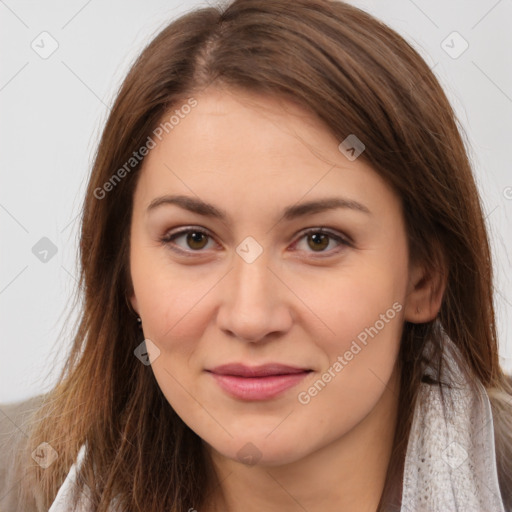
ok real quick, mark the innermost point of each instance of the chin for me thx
(261, 451)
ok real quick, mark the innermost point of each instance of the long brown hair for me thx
(359, 77)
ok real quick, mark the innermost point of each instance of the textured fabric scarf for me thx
(450, 463)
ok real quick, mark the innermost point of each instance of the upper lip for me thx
(241, 370)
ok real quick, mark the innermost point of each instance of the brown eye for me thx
(195, 240)
(318, 241)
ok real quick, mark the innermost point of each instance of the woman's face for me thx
(251, 287)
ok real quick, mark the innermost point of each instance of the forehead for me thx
(239, 125)
(242, 147)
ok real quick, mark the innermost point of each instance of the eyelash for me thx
(170, 237)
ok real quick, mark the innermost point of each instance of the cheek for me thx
(170, 297)
(364, 315)
(362, 353)
(350, 396)
(361, 362)
(345, 304)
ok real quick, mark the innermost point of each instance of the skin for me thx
(295, 304)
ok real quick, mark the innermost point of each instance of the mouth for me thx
(257, 382)
(265, 370)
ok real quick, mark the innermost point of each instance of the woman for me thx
(287, 284)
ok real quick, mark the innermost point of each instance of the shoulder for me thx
(15, 423)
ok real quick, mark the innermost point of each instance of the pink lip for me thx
(258, 382)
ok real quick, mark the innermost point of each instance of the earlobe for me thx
(425, 293)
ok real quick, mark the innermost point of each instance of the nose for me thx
(255, 304)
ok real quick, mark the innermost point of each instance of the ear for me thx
(425, 292)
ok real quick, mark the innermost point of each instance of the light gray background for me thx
(53, 109)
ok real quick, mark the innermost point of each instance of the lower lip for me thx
(258, 388)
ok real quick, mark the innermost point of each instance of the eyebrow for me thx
(200, 207)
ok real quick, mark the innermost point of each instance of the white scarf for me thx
(450, 463)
